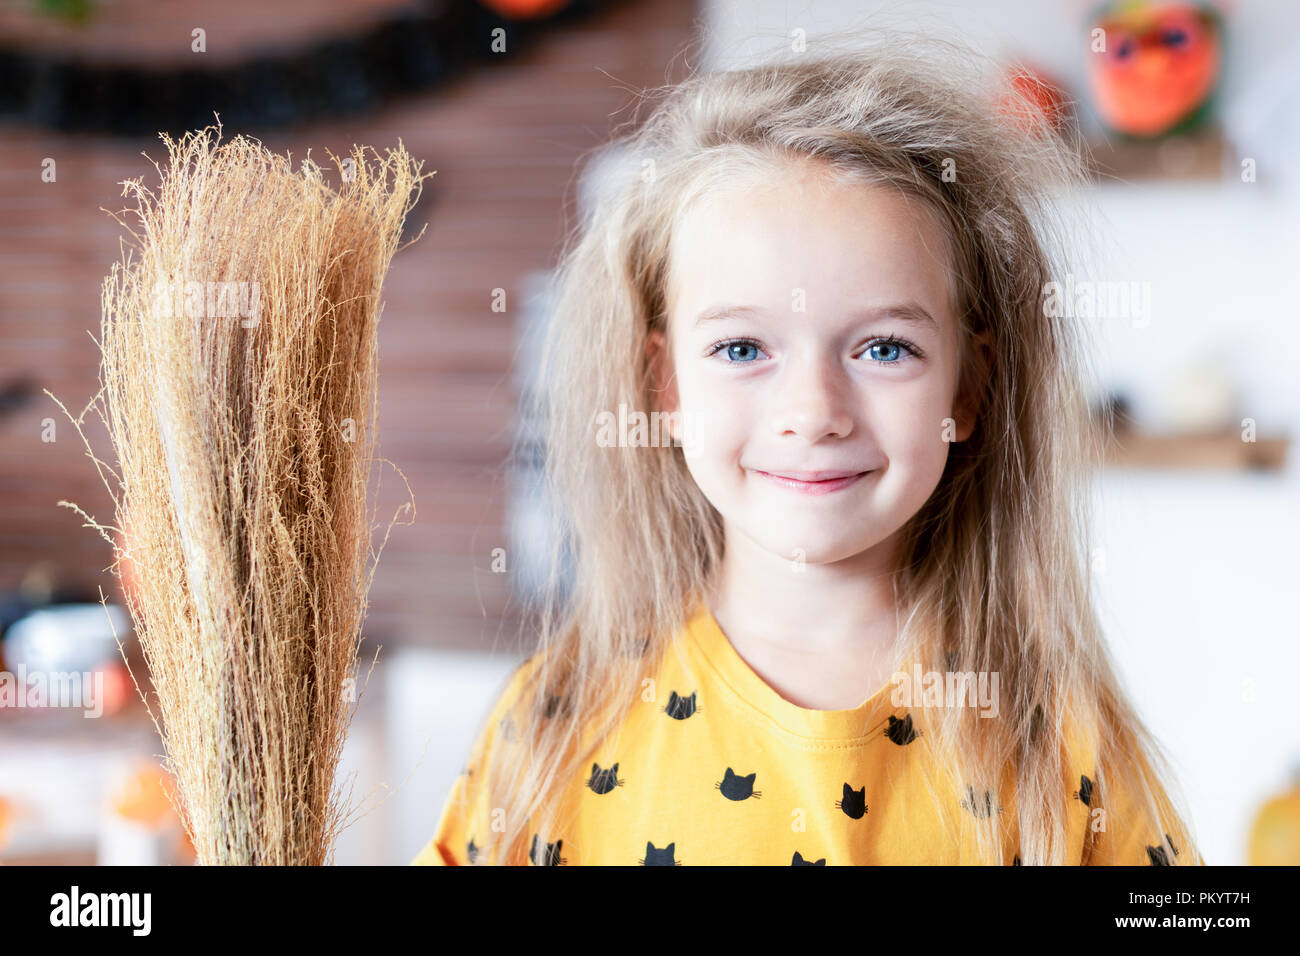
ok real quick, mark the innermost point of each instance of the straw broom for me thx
(239, 390)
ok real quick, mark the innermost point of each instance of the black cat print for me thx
(603, 781)
(662, 857)
(735, 787)
(680, 708)
(853, 802)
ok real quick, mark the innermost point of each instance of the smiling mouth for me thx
(823, 486)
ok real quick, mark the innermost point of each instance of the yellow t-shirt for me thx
(719, 769)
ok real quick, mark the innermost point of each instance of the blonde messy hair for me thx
(994, 577)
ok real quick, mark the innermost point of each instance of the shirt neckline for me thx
(854, 723)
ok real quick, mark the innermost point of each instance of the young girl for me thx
(839, 612)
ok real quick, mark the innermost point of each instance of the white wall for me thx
(1197, 599)
(436, 703)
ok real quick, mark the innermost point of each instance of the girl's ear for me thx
(976, 368)
(663, 384)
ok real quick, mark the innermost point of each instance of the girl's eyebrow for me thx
(902, 312)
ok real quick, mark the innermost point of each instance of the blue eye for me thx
(743, 347)
(734, 344)
(892, 351)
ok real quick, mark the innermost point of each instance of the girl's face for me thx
(812, 332)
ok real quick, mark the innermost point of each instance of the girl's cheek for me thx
(915, 433)
(715, 406)
(712, 428)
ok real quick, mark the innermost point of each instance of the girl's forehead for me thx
(770, 238)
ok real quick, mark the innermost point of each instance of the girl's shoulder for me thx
(1128, 816)
(504, 714)
(535, 682)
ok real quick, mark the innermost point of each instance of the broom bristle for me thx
(239, 383)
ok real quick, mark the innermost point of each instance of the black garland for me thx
(410, 53)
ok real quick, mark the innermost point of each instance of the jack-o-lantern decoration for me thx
(1154, 64)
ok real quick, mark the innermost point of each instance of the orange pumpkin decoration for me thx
(1159, 66)
(6, 817)
(143, 796)
(1275, 835)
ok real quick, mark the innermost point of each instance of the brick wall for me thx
(503, 139)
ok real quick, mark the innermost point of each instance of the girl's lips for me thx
(812, 487)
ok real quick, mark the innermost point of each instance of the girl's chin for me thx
(829, 548)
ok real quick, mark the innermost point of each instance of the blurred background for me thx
(1192, 113)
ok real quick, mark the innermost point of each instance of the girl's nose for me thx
(813, 399)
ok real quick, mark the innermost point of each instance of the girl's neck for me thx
(759, 598)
